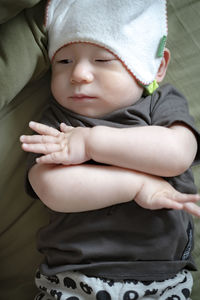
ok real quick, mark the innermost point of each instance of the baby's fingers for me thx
(38, 139)
(65, 128)
(41, 148)
(184, 198)
(165, 202)
(192, 208)
(43, 129)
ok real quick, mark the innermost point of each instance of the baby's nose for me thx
(82, 73)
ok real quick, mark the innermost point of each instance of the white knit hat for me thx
(134, 30)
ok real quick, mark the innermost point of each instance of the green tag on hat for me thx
(149, 89)
(161, 46)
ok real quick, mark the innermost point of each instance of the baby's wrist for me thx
(87, 137)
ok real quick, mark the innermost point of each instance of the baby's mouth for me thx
(81, 97)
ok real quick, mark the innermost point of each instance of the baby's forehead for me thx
(87, 48)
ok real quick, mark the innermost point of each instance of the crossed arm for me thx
(122, 179)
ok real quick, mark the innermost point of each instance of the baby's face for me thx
(90, 81)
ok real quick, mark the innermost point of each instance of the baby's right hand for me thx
(67, 146)
(157, 193)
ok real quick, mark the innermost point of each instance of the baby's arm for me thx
(89, 187)
(154, 150)
(150, 149)
(98, 185)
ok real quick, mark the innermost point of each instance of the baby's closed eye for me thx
(103, 60)
(64, 61)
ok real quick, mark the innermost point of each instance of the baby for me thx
(117, 229)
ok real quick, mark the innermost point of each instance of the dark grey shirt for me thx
(124, 241)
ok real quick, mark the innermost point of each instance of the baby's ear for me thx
(163, 66)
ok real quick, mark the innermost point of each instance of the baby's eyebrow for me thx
(105, 52)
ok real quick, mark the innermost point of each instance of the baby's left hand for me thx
(67, 146)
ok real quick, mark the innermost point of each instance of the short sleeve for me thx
(31, 161)
(169, 106)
